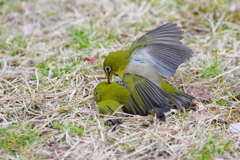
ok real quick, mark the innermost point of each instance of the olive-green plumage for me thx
(110, 98)
(156, 54)
(134, 95)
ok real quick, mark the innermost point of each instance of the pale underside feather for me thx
(164, 49)
(167, 58)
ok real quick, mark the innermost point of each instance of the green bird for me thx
(134, 95)
(155, 55)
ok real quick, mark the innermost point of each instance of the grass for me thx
(47, 108)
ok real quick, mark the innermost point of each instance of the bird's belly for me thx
(142, 68)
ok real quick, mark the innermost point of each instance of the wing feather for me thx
(164, 47)
(145, 96)
(164, 58)
(168, 33)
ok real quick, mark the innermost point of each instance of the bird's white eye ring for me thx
(108, 68)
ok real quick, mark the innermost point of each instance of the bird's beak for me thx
(109, 76)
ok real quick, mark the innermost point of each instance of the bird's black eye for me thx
(108, 68)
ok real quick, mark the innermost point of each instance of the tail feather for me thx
(180, 99)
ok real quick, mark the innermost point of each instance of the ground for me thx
(51, 55)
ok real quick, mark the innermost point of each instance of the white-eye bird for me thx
(134, 95)
(156, 54)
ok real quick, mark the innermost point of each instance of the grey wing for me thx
(166, 58)
(145, 96)
(168, 33)
(164, 47)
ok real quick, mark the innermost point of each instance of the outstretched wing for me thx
(145, 96)
(168, 34)
(164, 47)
